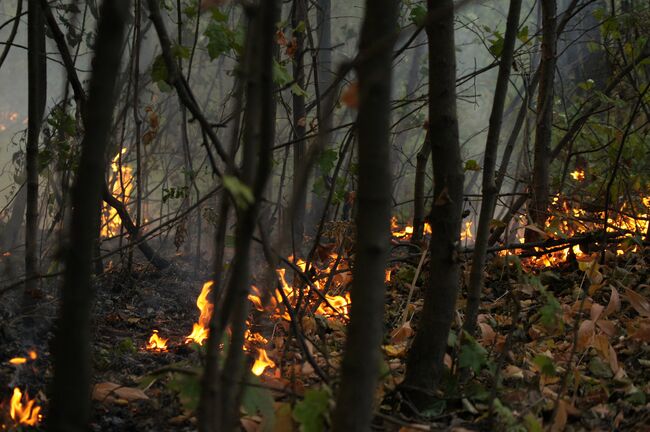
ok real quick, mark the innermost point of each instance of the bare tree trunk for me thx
(325, 78)
(360, 368)
(424, 365)
(70, 398)
(298, 15)
(489, 163)
(256, 167)
(541, 174)
(418, 193)
(37, 84)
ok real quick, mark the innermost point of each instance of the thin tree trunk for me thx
(37, 80)
(360, 368)
(424, 366)
(489, 163)
(325, 77)
(542, 163)
(298, 15)
(418, 193)
(70, 399)
(256, 167)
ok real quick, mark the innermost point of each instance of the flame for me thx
(387, 275)
(156, 343)
(27, 414)
(122, 186)
(22, 360)
(578, 174)
(466, 234)
(262, 362)
(200, 329)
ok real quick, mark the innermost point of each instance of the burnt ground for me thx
(157, 391)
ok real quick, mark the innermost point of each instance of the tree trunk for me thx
(360, 368)
(489, 164)
(544, 121)
(424, 366)
(418, 194)
(37, 85)
(325, 78)
(70, 399)
(298, 15)
(255, 170)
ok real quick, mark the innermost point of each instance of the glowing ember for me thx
(200, 329)
(262, 362)
(27, 414)
(156, 343)
(122, 186)
(578, 175)
(387, 276)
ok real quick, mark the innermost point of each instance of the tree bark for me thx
(37, 87)
(544, 121)
(360, 368)
(424, 366)
(489, 165)
(70, 398)
(255, 170)
(298, 14)
(418, 193)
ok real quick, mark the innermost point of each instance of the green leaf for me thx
(472, 355)
(188, 387)
(311, 412)
(472, 165)
(159, 74)
(523, 34)
(240, 192)
(219, 39)
(181, 51)
(545, 364)
(258, 399)
(297, 90)
(327, 160)
(281, 76)
(418, 15)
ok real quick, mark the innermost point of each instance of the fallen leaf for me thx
(638, 302)
(110, 392)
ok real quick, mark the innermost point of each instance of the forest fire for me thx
(156, 343)
(25, 413)
(200, 329)
(121, 185)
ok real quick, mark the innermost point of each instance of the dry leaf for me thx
(614, 304)
(585, 333)
(402, 333)
(110, 392)
(350, 96)
(638, 302)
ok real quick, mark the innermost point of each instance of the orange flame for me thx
(156, 343)
(578, 175)
(200, 329)
(28, 414)
(122, 186)
(18, 360)
(466, 234)
(262, 362)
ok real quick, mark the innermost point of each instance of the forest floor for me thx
(538, 361)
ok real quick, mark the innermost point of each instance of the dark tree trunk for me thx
(325, 79)
(255, 170)
(489, 164)
(424, 366)
(298, 15)
(70, 398)
(544, 122)
(37, 85)
(418, 194)
(362, 358)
